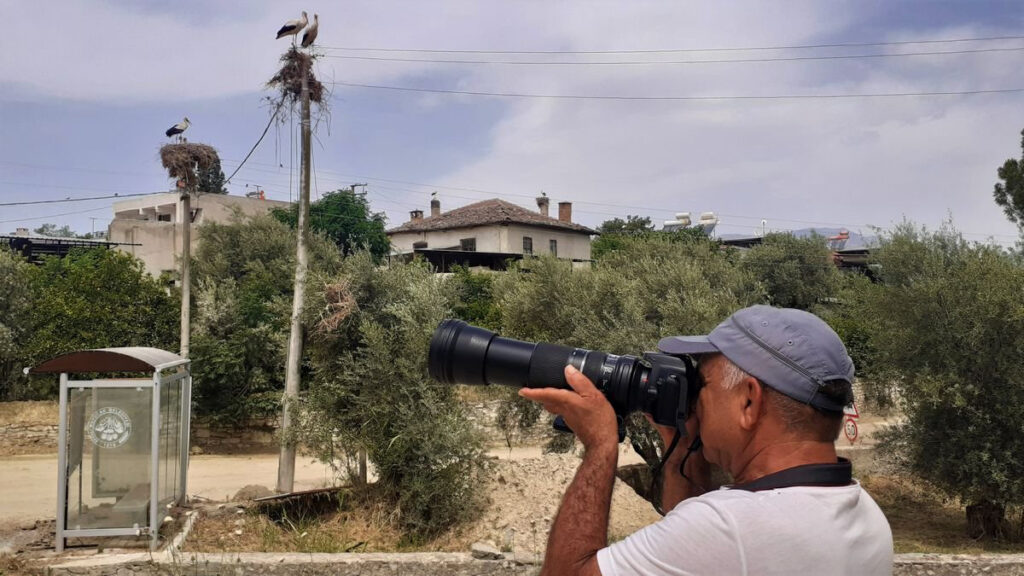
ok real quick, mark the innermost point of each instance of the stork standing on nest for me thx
(293, 27)
(178, 128)
(310, 35)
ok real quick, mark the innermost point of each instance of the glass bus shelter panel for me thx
(170, 440)
(109, 459)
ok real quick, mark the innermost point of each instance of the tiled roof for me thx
(488, 212)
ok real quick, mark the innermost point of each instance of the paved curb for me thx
(439, 564)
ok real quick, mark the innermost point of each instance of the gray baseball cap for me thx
(793, 351)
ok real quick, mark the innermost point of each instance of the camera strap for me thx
(838, 473)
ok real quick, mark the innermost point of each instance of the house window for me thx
(553, 246)
(467, 244)
(527, 245)
(163, 217)
(420, 245)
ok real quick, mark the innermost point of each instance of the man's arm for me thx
(581, 526)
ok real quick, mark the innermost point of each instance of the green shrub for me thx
(370, 392)
(244, 275)
(949, 328)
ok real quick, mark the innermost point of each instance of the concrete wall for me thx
(137, 221)
(499, 238)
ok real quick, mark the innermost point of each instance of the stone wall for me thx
(256, 436)
(28, 439)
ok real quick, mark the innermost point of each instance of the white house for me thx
(496, 228)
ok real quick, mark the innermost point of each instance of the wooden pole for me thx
(286, 463)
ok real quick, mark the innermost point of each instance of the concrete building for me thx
(150, 226)
(490, 232)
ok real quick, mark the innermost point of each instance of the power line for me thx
(680, 98)
(253, 149)
(681, 50)
(54, 215)
(652, 62)
(78, 199)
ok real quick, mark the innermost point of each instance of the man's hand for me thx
(584, 409)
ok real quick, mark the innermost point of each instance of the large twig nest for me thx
(184, 162)
(289, 78)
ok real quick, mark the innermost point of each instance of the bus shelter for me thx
(123, 442)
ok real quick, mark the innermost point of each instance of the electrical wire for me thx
(32, 202)
(682, 50)
(680, 98)
(253, 149)
(654, 62)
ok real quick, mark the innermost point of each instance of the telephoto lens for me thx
(662, 385)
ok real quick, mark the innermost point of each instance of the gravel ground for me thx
(525, 494)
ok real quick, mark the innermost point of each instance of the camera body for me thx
(662, 385)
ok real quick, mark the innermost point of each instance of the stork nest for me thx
(289, 78)
(184, 162)
(340, 304)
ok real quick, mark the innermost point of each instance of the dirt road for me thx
(28, 484)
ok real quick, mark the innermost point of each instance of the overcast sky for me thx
(88, 88)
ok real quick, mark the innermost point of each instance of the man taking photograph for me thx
(775, 382)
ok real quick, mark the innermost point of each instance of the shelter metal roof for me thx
(129, 359)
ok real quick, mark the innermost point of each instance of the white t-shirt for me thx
(796, 530)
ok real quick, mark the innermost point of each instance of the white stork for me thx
(310, 36)
(178, 128)
(292, 27)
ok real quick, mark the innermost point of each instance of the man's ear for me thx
(752, 400)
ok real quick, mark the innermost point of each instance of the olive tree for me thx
(949, 328)
(796, 272)
(15, 314)
(243, 273)
(371, 329)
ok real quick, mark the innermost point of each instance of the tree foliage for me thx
(97, 298)
(53, 231)
(345, 218)
(653, 286)
(244, 276)
(631, 226)
(371, 392)
(796, 272)
(211, 179)
(950, 329)
(1009, 194)
(15, 318)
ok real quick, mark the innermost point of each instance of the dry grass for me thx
(34, 412)
(185, 161)
(359, 525)
(923, 521)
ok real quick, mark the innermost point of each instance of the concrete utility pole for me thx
(286, 464)
(362, 453)
(185, 217)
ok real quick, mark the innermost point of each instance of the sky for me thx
(84, 107)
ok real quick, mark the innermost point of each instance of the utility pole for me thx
(185, 217)
(362, 453)
(286, 464)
